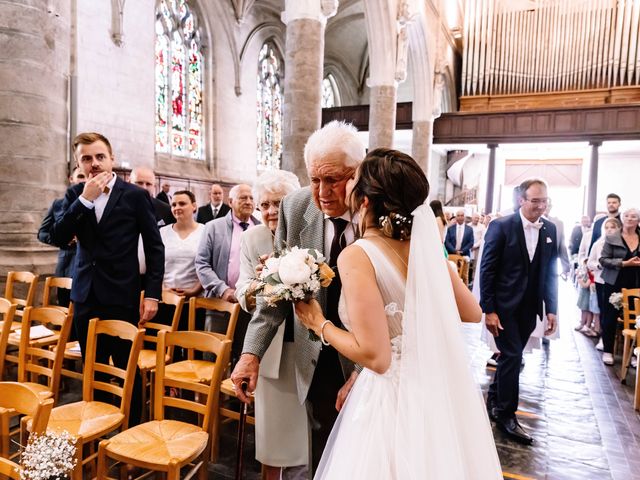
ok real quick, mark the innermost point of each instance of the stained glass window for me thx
(329, 92)
(269, 109)
(179, 81)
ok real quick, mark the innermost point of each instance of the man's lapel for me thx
(114, 196)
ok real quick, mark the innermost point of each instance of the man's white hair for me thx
(275, 181)
(335, 137)
(233, 193)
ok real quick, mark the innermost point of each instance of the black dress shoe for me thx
(514, 430)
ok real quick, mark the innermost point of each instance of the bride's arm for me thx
(468, 307)
(368, 343)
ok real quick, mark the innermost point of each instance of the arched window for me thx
(179, 81)
(330, 96)
(269, 106)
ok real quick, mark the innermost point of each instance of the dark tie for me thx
(244, 226)
(215, 212)
(333, 291)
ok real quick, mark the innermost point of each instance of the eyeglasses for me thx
(537, 201)
(265, 205)
(330, 180)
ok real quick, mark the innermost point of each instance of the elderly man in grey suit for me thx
(313, 217)
(218, 259)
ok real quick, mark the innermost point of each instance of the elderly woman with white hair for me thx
(282, 444)
(620, 260)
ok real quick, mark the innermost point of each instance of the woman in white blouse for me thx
(281, 422)
(181, 241)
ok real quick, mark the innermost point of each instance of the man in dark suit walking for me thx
(518, 282)
(216, 209)
(459, 237)
(107, 216)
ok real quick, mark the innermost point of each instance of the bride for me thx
(415, 411)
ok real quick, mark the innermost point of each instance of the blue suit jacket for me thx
(467, 240)
(66, 254)
(504, 269)
(107, 257)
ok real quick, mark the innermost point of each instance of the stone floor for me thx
(577, 410)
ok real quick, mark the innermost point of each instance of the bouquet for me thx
(46, 456)
(293, 274)
(615, 299)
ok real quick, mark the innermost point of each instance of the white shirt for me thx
(349, 232)
(478, 234)
(179, 257)
(531, 234)
(99, 204)
(459, 235)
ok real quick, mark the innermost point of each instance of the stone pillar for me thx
(35, 56)
(421, 144)
(491, 178)
(593, 179)
(382, 115)
(303, 64)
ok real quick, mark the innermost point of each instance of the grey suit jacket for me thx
(613, 253)
(212, 259)
(300, 224)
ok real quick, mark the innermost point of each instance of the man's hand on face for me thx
(94, 187)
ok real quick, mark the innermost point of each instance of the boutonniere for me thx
(549, 240)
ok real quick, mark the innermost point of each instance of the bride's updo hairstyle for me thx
(395, 186)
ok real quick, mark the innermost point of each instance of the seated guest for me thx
(218, 260)
(620, 260)
(181, 242)
(459, 237)
(282, 444)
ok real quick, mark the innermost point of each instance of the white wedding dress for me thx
(424, 418)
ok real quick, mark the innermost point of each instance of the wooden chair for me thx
(147, 359)
(55, 282)
(226, 388)
(170, 445)
(201, 370)
(88, 419)
(9, 469)
(17, 399)
(8, 310)
(629, 332)
(462, 264)
(31, 282)
(36, 358)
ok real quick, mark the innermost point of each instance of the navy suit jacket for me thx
(467, 240)
(504, 269)
(67, 254)
(107, 257)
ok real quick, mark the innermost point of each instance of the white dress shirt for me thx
(349, 232)
(531, 234)
(99, 204)
(459, 235)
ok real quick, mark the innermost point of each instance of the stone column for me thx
(593, 179)
(491, 178)
(421, 144)
(382, 115)
(35, 55)
(303, 64)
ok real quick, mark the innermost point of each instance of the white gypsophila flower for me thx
(293, 268)
(51, 455)
(314, 285)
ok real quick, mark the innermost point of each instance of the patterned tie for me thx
(215, 212)
(333, 291)
(244, 226)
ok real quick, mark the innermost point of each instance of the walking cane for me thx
(241, 424)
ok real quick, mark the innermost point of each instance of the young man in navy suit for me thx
(518, 282)
(107, 216)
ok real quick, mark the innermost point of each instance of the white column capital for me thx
(319, 10)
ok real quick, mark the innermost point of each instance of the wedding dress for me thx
(424, 418)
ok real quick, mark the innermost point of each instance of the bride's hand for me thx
(310, 314)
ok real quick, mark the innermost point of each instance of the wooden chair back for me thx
(8, 310)
(9, 469)
(218, 305)
(36, 359)
(462, 266)
(125, 331)
(630, 313)
(203, 342)
(31, 282)
(169, 298)
(55, 282)
(16, 398)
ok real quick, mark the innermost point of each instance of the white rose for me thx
(272, 264)
(293, 268)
